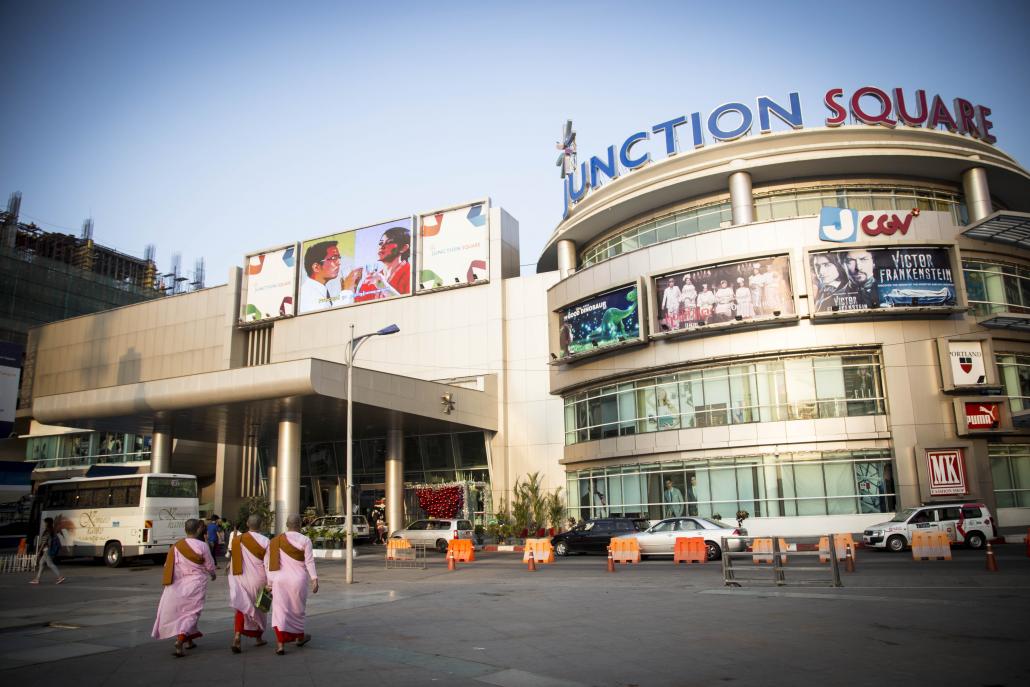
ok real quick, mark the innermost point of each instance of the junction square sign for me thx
(869, 105)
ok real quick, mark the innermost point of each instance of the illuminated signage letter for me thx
(625, 159)
(574, 195)
(699, 136)
(903, 114)
(939, 115)
(610, 169)
(745, 121)
(840, 115)
(669, 128)
(985, 124)
(884, 116)
(791, 117)
(966, 116)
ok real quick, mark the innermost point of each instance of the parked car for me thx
(964, 523)
(435, 532)
(593, 536)
(338, 523)
(660, 539)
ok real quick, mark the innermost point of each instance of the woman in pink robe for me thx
(245, 586)
(288, 578)
(183, 598)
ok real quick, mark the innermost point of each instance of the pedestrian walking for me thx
(46, 551)
(247, 579)
(212, 535)
(187, 568)
(290, 565)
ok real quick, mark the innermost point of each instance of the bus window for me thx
(123, 496)
(171, 487)
(83, 498)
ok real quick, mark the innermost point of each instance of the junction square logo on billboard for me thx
(869, 105)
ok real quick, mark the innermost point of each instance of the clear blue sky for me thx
(216, 128)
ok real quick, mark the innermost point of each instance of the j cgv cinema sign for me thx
(868, 105)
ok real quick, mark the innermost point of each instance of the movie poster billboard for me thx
(599, 322)
(454, 247)
(861, 279)
(270, 282)
(730, 293)
(356, 266)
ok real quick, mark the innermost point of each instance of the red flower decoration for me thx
(442, 501)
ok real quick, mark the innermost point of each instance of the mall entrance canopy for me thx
(300, 400)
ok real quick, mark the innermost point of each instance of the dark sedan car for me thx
(593, 536)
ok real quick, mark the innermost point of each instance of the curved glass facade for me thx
(800, 388)
(765, 485)
(994, 287)
(777, 204)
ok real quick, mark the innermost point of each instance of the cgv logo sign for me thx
(841, 225)
(947, 472)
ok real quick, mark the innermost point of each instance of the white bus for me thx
(117, 517)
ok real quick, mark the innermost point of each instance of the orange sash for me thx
(282, 543)
(236, 551)
(190, 555)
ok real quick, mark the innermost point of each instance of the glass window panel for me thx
(1020, 471)
(783, 208)
(749, 491)
(709, 221)
(743, 393)
(471, 450)
(686, 225)
(616, 500)
(860, 201)
(646, 238)
(883, 202)
(840, 482)
(609, 416)
(654, 495)
(723, 485)
(717, 396)
(800, 388)
(666, 229)
(763, 210)
(808, 482)
(809, 203)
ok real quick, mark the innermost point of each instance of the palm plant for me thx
(555, 509)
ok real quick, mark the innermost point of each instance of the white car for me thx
(338, 523)
(964, 523)
(435, 532)
(660, 538)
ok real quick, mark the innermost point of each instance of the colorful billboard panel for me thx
(356, 266)
(734, 292)
(271, 281)
(599, 321)
(868, 278)
(454, 247)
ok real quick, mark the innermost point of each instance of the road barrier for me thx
(540, 549)
(784, 547)
(689, 550)
(461, 550)
(401, 553)
(625, 550)
(931, 546)
(17, 563)
(843, 540)
(394, 547)
(736, 575)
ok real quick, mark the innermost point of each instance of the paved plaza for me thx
(493, 623)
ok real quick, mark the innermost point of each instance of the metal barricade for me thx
(12, 563)
(408, 558)
(744, 567)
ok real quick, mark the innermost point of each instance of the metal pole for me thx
(350, 458)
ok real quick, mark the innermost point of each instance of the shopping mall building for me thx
(817, 323)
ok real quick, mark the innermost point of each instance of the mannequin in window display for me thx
(745, 309)
(688, 302)
(671, 305)
(705, 303)
(723, 302)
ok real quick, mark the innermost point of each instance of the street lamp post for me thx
(351, 352)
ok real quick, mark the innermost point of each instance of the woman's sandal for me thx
(280, 652)
(303, 640)
(260, 642)
(236, 648)
(179, 653)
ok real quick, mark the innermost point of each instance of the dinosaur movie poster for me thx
(728, 293)
(600, 321)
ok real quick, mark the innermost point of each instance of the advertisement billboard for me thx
(270, 282)
(967, 363)
(947, 472)
(862, 279)
(731, 293)
(11, 355)
(454, 247)
(599, 322)
(355, 266)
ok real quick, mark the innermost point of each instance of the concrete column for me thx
(741, 199)
(228, 480)
(566, 258)
(978, 194)
(395, 479)
(287, 473)
(161, 448)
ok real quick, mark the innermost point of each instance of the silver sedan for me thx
(660, 538)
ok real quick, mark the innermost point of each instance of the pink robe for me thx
(183, 600)
(290, 585)
(243, 589)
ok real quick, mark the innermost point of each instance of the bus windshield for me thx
(171, 488)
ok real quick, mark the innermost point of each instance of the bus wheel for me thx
(113, 554)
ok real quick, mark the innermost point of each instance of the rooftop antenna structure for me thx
(198, 275)
(567, 145)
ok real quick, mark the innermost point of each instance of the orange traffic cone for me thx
(992, 564)
(849, 562)
(532, 563)
(451, 565)
(611, 561)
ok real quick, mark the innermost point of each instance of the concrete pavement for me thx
(493, 623)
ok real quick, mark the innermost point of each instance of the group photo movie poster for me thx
(732, 292)
(356, 266)
(599, 321)
(865, 278)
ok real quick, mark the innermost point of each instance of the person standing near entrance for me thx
(187, 568)
(212, 535)
(673, 500)
(49, 546)
(247, 577)
(290, 565)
